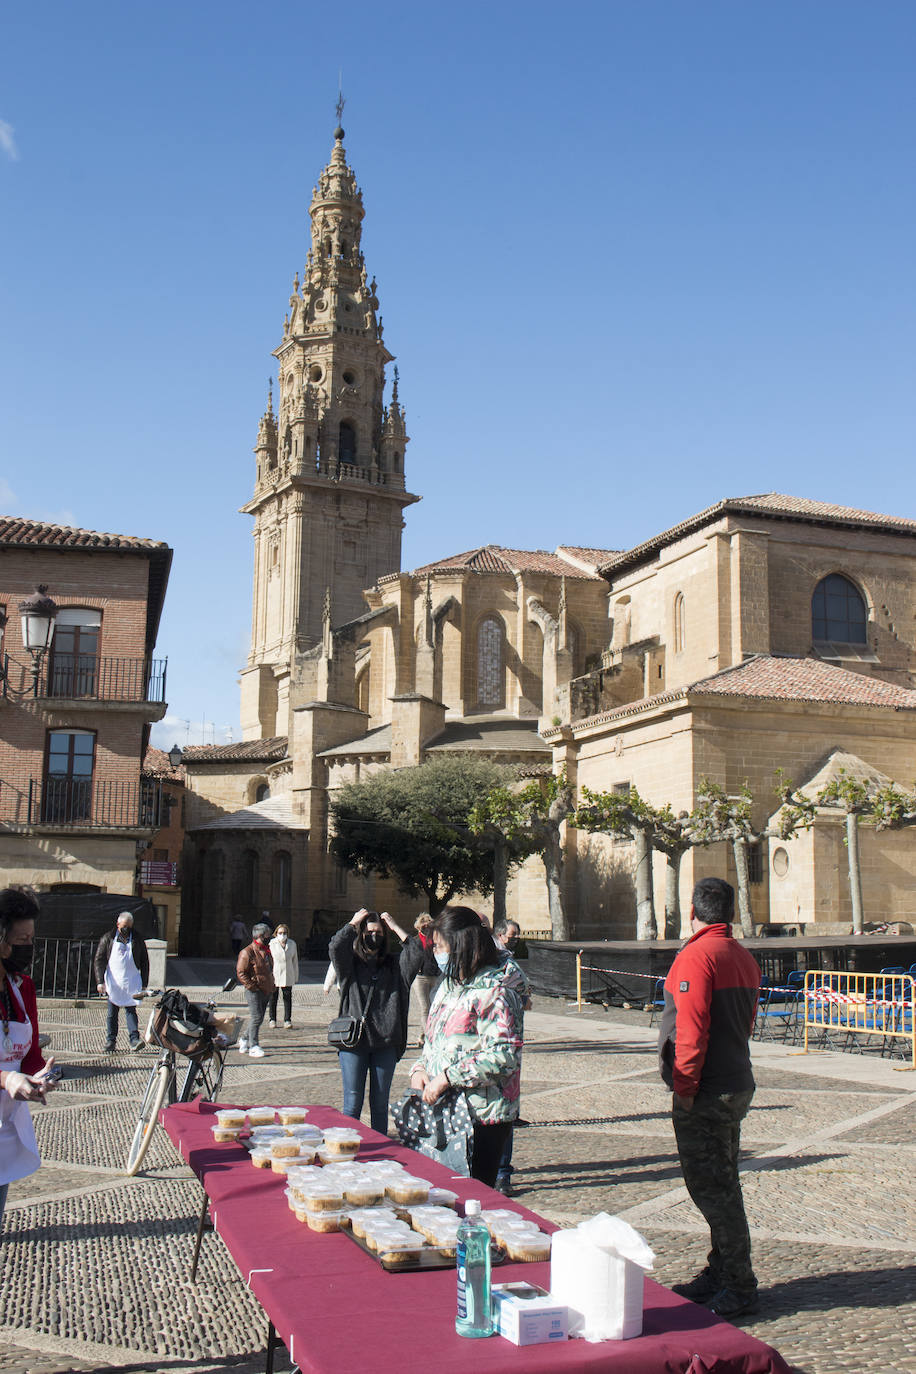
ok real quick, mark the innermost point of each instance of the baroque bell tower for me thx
(329, 490)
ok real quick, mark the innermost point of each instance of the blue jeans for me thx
(130, 1017)
(380, 1066)
(257, 1005)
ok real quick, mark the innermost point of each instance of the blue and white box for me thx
(528, 1315)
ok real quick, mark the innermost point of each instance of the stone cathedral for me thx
(763, 631)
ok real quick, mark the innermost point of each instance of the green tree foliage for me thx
(529, 818)
(410, 824)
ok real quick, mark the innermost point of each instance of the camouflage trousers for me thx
(708, 1137)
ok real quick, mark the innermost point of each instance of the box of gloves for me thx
(528, 1315)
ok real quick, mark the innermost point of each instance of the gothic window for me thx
(281, 878)
(680, 624)
(251, 877)
(838, 611)
(346, 444)
(491, 687)
(287, 443)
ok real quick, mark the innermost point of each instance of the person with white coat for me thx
(24, 1075)
(286, 975)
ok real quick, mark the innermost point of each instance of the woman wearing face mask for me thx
(375, 983)
(23, 1071)
(286, 975)
(473, 1035)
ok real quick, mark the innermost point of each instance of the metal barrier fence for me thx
(63, 968)
(854, 1004)
(609, 977)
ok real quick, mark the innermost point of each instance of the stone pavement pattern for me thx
(95, 1263)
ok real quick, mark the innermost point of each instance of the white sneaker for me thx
(287, 1025)
(242, 1047)
(272, 1025)
(256, 1052)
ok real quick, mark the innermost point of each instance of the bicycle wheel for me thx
(156, 1091)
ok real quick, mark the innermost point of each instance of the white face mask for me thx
(283, 939)
(441, 958)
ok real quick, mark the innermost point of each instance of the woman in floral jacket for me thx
(473, 1035)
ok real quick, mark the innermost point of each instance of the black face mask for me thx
(510, 944)
(373, 941)
(19, 960)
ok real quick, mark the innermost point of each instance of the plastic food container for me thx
(260, 1157)
(303, 1131)
(363, 1194)
(400, 1250)
(528, 1247)
(319, 1199)
(261, 1116)
(292, 1116)
(263, 1135)
(339, 1141)
(231, 1116)
(407, 1189)
(326, 1221)
(443, 1197)
(223, 1133)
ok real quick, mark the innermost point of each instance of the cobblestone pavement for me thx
(95, 1263)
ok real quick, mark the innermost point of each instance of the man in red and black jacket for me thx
(710, 1001)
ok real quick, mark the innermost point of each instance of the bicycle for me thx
(180, 1029)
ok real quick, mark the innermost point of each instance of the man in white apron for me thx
(121, 971)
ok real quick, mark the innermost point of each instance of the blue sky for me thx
(632, 257)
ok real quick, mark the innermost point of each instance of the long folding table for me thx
(338, 1312)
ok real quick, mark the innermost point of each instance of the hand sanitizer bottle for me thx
(474, 1317)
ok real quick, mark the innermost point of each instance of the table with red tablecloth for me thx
(338, 1312)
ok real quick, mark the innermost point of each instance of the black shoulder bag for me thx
(345, 1032)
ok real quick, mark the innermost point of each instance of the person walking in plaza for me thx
(24, 1075)
(254, 971)
(285, 955)
(506, 936)
(374, 983)
(474, 1035)
(237, 934)
(704, 1057)
(429, 975)
(121, 972)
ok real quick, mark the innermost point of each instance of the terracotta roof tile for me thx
(769, 503)
(36, 534)
(156, 763)
(805, 679)
(243, 751)
(494, 558)
(774, 679)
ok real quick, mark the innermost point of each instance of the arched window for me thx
(838, 611)
(281, 878)
(680, 624)
(346, 444)
(251, 877)
(491, 686)
(262, 792)
(362, 690)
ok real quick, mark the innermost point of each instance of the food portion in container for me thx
(292, 1116)
(261, 1116)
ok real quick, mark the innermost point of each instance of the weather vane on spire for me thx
(341, 102)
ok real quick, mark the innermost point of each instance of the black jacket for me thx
(138, 950)
(386, 1023)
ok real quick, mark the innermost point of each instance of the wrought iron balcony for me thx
(85, 677)
(73, 803)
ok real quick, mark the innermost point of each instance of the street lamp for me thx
(176, 757)
(37, 614)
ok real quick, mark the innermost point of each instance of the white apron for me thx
(122, 977)
(18, 1149)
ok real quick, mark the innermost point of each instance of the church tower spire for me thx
(330, 489)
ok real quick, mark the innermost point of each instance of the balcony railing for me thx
(86, 677)
(85, 804)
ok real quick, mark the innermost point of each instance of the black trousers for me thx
(287, 1003)
(489, 1142)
